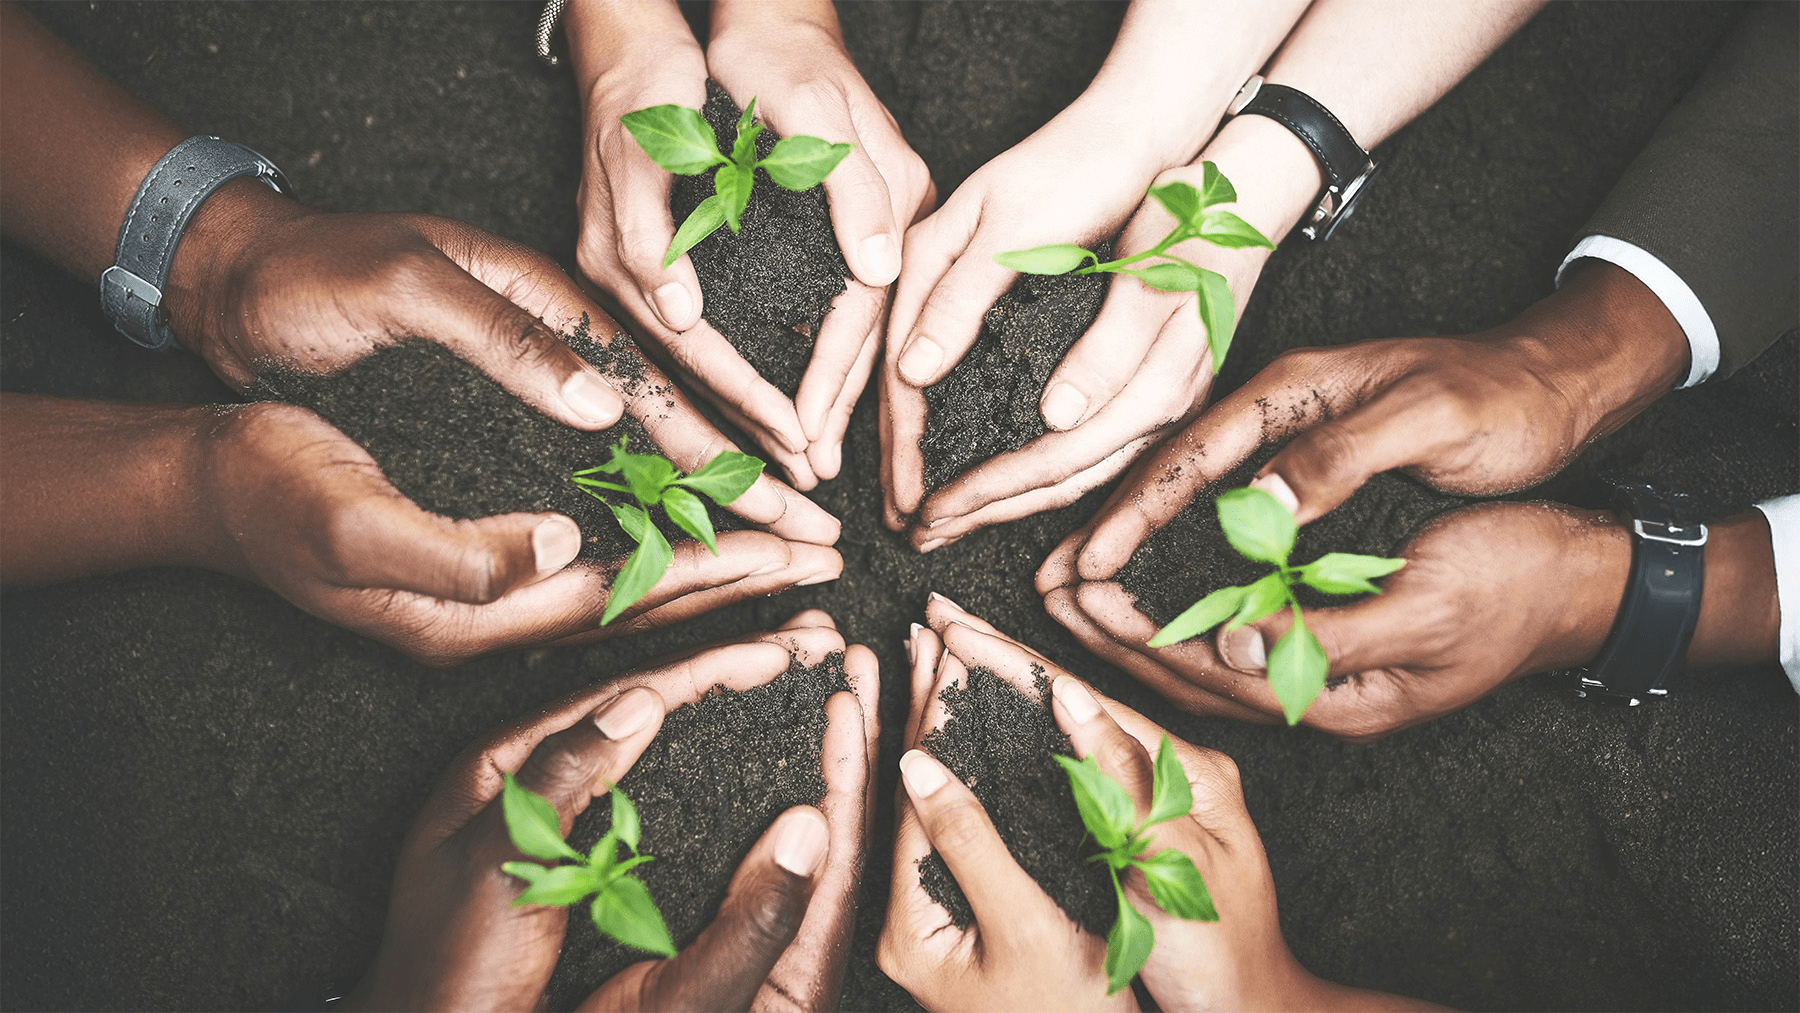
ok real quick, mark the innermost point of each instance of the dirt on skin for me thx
(768, 287)
(706, 788)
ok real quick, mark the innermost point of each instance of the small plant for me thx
(1194, 219)
(1175, 884)
(650, 479)
(682, 142)
(1259, 527)
(622, 906)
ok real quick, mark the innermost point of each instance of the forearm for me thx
(612, 38)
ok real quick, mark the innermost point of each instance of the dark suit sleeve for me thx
(1716, 193)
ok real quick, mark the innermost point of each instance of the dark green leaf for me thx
(1218, 314)
(1105, 808)
(1257, 525)
(725, 477)
(648, 475)
(732, 185)
(1178, 887)
(1057, 258)
(648, 562)
(1297, 669)
(675, 137)
(632, 518)
(625, 912)
(1170, 277)
(801, 163)
(559, 887)
(1171, 795)
(1201, 616)
(532, 823)
(1214, 187)
(1264, 598)
(689, 514)
(1127, 945)
(1181, 200)
(743, 149)
(703, 222)
(1347, 572)
(625, 819)
(1222, 228)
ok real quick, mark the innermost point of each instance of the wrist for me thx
(1740, 611)
(1275, 174)
(631, 40)
(227, 233)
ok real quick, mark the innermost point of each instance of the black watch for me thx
(1347, 167)
(1650, 637)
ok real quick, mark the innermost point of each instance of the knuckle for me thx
(558, 767)
(958, 827)
(771, 915)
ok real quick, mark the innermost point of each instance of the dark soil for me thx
(1189, 558)
(1000, 742)
(712, 781)
(988, 404)
(768, 287)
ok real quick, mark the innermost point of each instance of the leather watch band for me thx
(1344, 163)
(1656, 620)
(131, 290)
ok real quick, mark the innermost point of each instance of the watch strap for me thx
(1649, 639)
(131, 290)
(1344, 163)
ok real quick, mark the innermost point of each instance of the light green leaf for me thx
(625, 912)
(1170, 277)
(1171, 795)
(801, 163)
(1177, 886)
(631, 863)
(1214, 187)
(1264, 598)
(532, 823)
(625, 819)
(689, 514)
(558, 887)
(648, 475)
(732, 184)
(675, 137)
(725, 477)
(1297, 669)
(1222, 228)
(648, 562)
(704, 221)
(603, 856)
(1127, 945)
(1347, 572)
(746, 117)
(1201, 616)
(1057, 258)
(632, 518)
(1181, 200)
(743, 149)
(1105, 808)
(1218, 314)
(1257, 525)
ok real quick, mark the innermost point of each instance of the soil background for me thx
(203, 790)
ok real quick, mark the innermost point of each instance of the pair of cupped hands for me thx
(780, 939)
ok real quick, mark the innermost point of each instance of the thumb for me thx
(588, 757)
(1376, 632)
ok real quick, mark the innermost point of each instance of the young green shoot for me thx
(650, 479)
(1195, 218)
(682, 142)
(1260, 528)
(1175, 884)
(622, 906)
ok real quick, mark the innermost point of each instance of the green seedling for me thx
(1175, 884)
(622, 906)
(650, 479)
(1260, 528)
(1195, 218)
(682, 142)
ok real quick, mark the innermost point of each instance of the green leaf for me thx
(1201, 616)
(747, 117)
(631, 863)
(675, 137)
(743, 148)
(725, 477)
(1181, 200)
(1257, 525)
(801, 163)
(1105, 808)
(625, 819)
(1170, 277)
(689, 514)
(1264, 598)
(732, 185)
(648, 475)
(1057, 258)
(531, 821)
(1127, 945)
(558, 887)
(648, 562)
(1171, 796)
(632, 518)
(704, 221)
(603, 855)
(1214, 187)
(1297, 669)
(625, 912)
(1177, 886)
(1222, 228)
(1218, 314)
(1347, 572)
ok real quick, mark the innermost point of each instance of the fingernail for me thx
(589, 397)
(933, 544)
(1243, 650)
(923, 775)
(627, 714)
(674, 304)
(1277, 487)
(555, 543)
(912, 643)
(801, 843)
(1075, 698)
(881, 258)
(938, 597)
(1063, 406)
(920, 359)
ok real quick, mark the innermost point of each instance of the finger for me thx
(1092, 733)
(706, 355)
(864, 673)
(950, 318)
(808, 564)
(637, 198)
(931, 252)
(842, 338)
(862, 215)
(903, 415)
(927, 653)
(826, 454)
(588, 758)
(809, 618)
(944, 530)
(1058, 568)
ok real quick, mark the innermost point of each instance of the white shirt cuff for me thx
(1682, 303)
(1784, 533)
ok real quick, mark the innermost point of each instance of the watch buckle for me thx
(1245, 95)
(1333, 205)
(1671, 533)
(1586, 689)
(132, 284)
